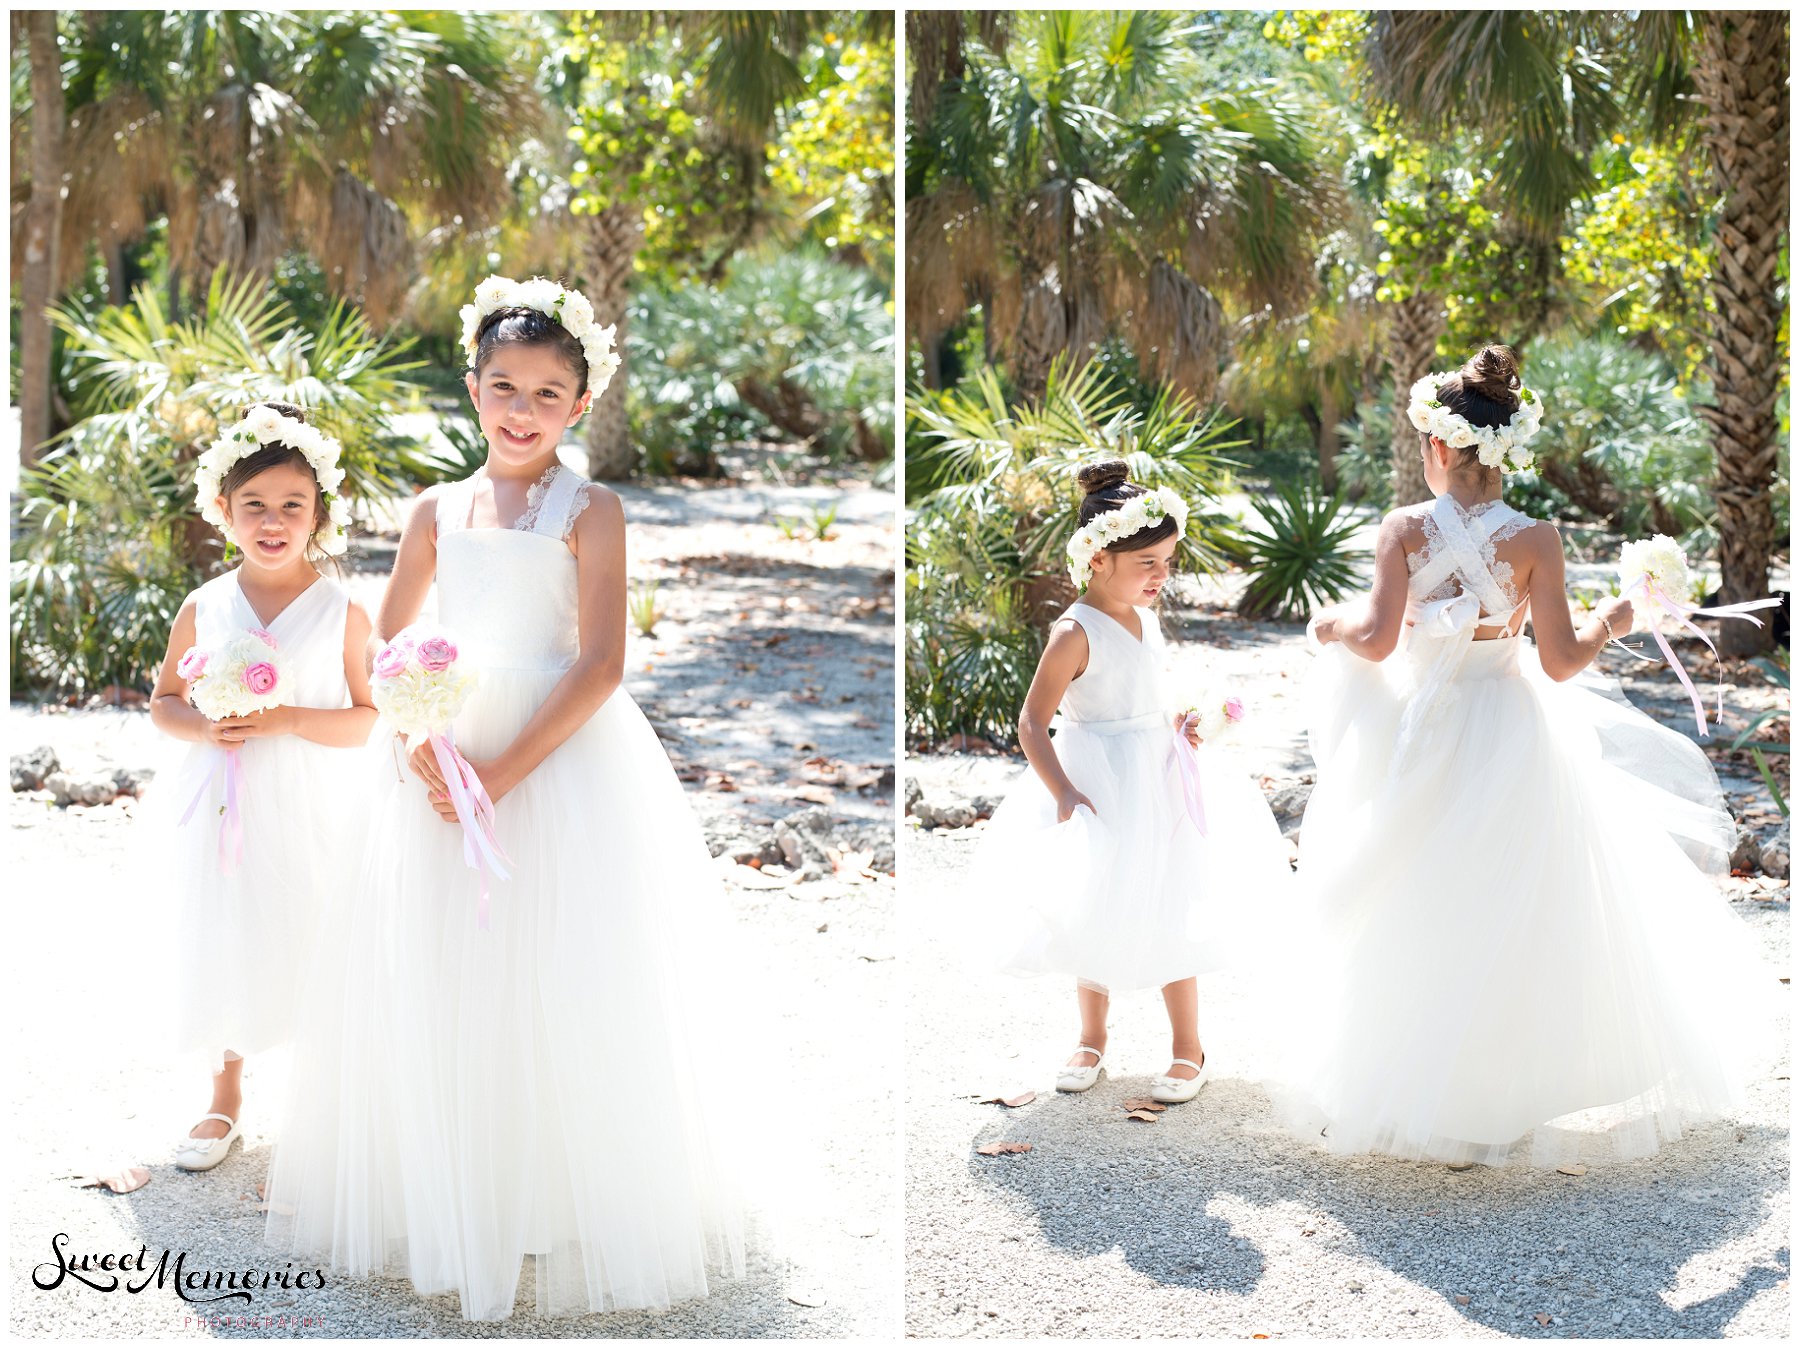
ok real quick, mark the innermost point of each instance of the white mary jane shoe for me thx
(1080, 1079)
(1175, 1090)
(203, 1154)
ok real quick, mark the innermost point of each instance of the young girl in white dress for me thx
(555, 1084)
(1506, 866)
(1093, 867)
(246, 924)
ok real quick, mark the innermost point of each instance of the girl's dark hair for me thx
(532, 327)
(1106, 482)
(1485, 392)
(274, 455)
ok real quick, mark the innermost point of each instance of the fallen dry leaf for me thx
(819, 796)
(1573, 1169)
(1147, 1116)
(1462, 1299)
(122, 1181)
(807, 1297)
(995, 1149)
(1023, 1098)
(851, 863)
(720, 782)
(1542, 1318)
(1144, 1103)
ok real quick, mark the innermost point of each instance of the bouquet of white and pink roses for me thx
(1214, 714)
(239, 678)
(419, 688)
(1654, 575)
(1211, 714)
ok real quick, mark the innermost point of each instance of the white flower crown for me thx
(567, 307)
(1499, 446)
(1121, 522)
(263, 425)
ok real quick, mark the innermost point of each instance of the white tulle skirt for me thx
(1518, 934)
(552, 1086)
(245, 928)
(1130, 895)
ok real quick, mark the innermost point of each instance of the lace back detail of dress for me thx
(1449, 585)
(553, 503)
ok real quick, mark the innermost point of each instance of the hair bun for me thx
(1102, 474)
(287, 410)
(1493, 372)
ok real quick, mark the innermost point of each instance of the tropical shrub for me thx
(792, 345)
(1298, 562)
(994, 501)
(106, 542)
(1622, 442)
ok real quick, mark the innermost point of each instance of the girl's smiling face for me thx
(525, 399)
(273, 514)
(1136, 577)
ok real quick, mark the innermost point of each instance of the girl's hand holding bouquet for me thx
(235, 687)
(419, 688)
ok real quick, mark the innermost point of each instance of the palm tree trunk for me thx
(1741, 76)
(1415, 325)
(613, 238)
(1327, 434)
(42, 223)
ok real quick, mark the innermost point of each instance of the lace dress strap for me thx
(553, 503)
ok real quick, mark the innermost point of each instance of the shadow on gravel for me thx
(1605, 1254)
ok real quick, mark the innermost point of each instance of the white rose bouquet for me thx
(1654, 575)
(242, 676)
(418, 686)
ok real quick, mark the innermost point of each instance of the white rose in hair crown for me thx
(1654, 574)
(263, 425)
(1500, 447)
(567, 307)
(1140, 512)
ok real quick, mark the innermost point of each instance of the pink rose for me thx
(390, 661)
(260, 678)
(266, 637)
(1234, 708)
(437, 653)
(193, 663)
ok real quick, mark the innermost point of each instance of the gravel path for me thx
(1211, 1222)
(92, 1090)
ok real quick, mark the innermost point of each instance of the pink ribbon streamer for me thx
(231, 820)
(475, 813)
(1187, 762)
(1683, 613)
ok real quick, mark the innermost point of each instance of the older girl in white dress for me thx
(557, 1083)
(1508, 870)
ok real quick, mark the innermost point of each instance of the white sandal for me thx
(1080, 1079)
(1175, 1090)
(203, 1154)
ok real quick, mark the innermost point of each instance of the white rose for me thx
(493, 294)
